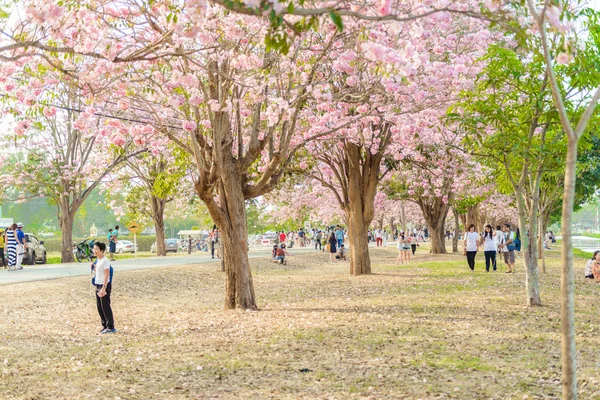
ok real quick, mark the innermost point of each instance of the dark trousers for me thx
(490, 257)
(104, 310)
(414, 248)
(318, 243)
(212, 249)
(2, 256)
(471, 259)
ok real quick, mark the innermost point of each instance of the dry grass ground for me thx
(430, 330)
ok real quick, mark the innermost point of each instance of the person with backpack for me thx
(508, 248)
(103, 283)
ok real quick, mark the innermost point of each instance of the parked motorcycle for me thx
(83, 250)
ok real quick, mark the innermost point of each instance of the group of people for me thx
(406, 243)
(13, 247)
(503, 240)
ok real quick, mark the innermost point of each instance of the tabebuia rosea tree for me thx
(202, 76)
(61, 148)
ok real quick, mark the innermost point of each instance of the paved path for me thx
(56, 271)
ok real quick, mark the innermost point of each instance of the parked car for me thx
(126, 246)
(36, 252)
(171, 245)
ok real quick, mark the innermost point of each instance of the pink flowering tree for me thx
(148, 182)
(59, 148)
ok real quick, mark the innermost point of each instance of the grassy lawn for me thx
(54, 257)
(428, 330)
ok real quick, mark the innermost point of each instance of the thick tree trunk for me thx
(158, 210)
(569, 361)
(230, 217)
(438, 239)
(456, 230)
(435, 214)
(234, 239)
(66, 229)
(529, 247)
(362, 188)
(360, 262)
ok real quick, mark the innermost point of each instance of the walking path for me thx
(56, 271)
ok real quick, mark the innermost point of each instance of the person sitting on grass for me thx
(279, 254)
(596, 266)
(341, 254)
(588, 268)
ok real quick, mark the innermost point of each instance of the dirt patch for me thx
(428, 330)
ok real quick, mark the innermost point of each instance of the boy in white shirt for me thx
(102, 281)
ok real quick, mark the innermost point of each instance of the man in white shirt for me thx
(103, 283)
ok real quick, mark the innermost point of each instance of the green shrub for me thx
(143, 242)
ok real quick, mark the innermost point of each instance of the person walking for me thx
(414, 242)
(282, 237)
(2, 239)
(10, 242)
(318, 238)
(339, 235)
(103, 283)
(214, 240)
(112, 243)
(21, 245)
(508, 248)
(189, 244)
(378, 237)
(470, 244)
(385, 237)
(489, 248)
(332, 247)
(406, 247)
(399, 241)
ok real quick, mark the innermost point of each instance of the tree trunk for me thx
(529, 246)
(234, 238)
(438, 239)
(362, 188)
(230, 217)
(66, 227)
(403, 216)
(158, 211)
(456, 230)
(435, 214)
(569, 361)
(392, 225)
(360, 262)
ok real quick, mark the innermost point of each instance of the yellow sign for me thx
(133, 227)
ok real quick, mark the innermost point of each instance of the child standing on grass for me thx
(102, 281)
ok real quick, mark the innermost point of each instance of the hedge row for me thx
(144, 242)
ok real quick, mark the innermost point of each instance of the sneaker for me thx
(113, 330)
(102, 331)
(20, 268)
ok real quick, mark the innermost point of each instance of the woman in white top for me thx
(471, 241)
(400, 246)
(489, 247)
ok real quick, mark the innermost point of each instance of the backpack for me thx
(511, 246)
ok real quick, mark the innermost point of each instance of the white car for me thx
(126, 246)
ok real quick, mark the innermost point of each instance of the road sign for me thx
(133, 227)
